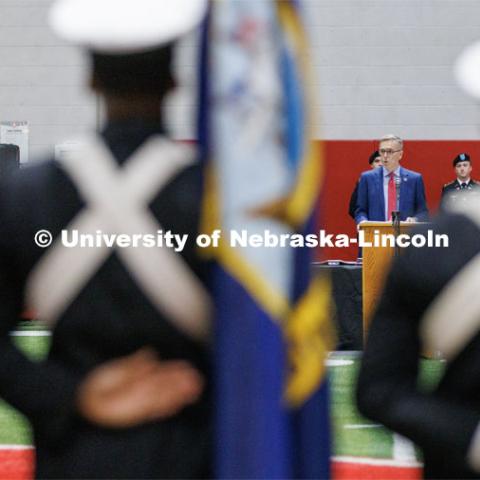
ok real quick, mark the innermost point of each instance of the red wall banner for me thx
(345, 160)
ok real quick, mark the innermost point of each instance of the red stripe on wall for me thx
(346, 159)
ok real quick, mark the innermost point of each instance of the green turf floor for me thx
(14, 429)
(365, 442)
(351, 433)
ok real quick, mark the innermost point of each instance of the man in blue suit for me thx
(391, 188)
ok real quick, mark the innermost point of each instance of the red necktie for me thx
(392, 196)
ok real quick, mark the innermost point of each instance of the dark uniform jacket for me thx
(441, 422)
(453, 192)
(353, 202)
(110, 318)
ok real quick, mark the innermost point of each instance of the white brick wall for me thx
(41, 79)
(386, 66)
(380, 66)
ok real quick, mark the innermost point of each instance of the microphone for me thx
(398, 183)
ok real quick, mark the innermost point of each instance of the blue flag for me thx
(262, 177)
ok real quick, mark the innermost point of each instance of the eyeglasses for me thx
(388, 152)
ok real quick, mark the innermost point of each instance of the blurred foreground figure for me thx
(431, 303)
(408, 323)
(121, 394)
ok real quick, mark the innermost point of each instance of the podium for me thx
(376, 264)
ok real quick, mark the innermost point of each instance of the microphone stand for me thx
(396, 216)
(396, 231)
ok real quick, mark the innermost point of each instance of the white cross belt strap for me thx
(117, 200)
(453, 317)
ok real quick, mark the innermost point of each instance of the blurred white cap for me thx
(467, 70)
(124, 26)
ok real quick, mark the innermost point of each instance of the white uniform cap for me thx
(467, 70)
(124, 26)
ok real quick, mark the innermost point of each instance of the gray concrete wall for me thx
(381, 66)
(41, 79)
(386, 66)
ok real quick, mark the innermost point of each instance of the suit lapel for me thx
(404, 186)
